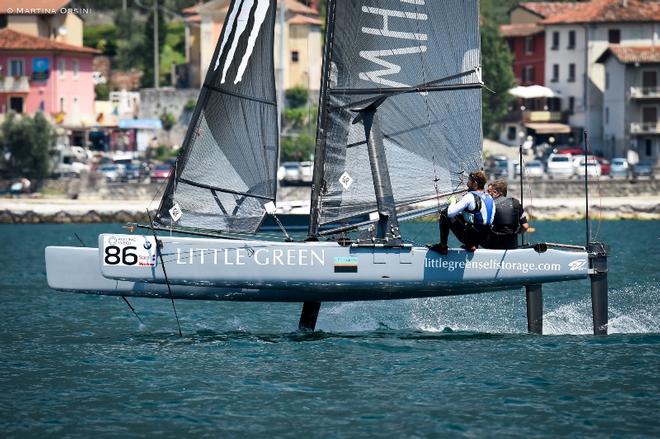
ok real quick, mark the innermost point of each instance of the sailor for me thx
(509, 221)
(470, 219)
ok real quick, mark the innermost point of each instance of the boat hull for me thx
(218, 269)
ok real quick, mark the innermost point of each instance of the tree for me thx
(130, 42)
(27, 141)
(496, 61)
(297, 96)
(148, 54)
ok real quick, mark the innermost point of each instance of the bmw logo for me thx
(147, 245)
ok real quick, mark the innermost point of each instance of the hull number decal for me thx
(129, 251)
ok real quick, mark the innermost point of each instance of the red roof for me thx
(520, 30)
(547, 9)
(303, 19)
(40, 6)
(632, 54)
(608, 11)
(12, 40)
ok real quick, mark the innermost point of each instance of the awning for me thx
(533, 91)
(140, 124)
(549, 128)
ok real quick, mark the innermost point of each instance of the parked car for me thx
(161, 172)
(534, 169)
(306, 171)
(605, 166)
(499, 166)
(619, 167)
(593, 167)
(560, 166)
(289, 172)
(111, 173)
(644, 169)
(132, 171)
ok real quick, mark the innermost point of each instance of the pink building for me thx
(40, 74)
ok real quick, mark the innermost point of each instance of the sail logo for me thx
(389, 19)
(241, 14)
(578, 264)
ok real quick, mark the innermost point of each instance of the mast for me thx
(319, 151)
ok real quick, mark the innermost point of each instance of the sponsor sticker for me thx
(175, 212)
(578, 264)
(346, 264)
(129, 250)
(346, 180)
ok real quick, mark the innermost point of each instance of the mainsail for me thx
(226, 171)
(423, 55)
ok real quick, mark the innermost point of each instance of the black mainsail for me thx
(226, 170)
(423, 56)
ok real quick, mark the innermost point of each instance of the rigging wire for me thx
(82, 244)
(169, 289)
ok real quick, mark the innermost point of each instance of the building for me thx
(55, 20)
(576, 38)
(631, 100)
(41, 74)
(302, 51)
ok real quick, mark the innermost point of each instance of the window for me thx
(649, 147)
(76, 68)
(555, 40)
(529, 45)
(16, 104)
(511, 133)
(571, 72)
(555, 73)
(571, 104)
(62, 105)
(295, 56)
(607, 114)
(61, 67)
(16, 67)
(3, 21)
(571, 39)
(528, 74)
(614, 36)
(607, 80)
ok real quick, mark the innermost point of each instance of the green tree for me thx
(102, 92)
(130, 44)
(148, 53)
(496, 61)
(28, 142)
(297, 96)
(296, 148)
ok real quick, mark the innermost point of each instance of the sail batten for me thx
(227, 168)
(423, 57)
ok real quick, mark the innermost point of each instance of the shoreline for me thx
(63, 211)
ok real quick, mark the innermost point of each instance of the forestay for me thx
(226, 171)
(376, 47)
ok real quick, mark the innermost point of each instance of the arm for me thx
(467, 202)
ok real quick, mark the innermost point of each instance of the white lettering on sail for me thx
(230, 27)
(387, 30)
(241, 25)
(390, 68)
(259, 17)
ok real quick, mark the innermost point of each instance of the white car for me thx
(289, 172)
(560, 166)
(534, 169)
(593, 167)
(306, 171)
(619, 167)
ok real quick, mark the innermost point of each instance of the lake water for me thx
(82, 366)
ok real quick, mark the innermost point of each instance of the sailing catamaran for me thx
(399, 123)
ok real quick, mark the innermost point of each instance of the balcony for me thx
(14, 84)
(641, 128)
(535, 116)
(645, 92)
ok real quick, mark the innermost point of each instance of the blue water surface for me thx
(83, 366)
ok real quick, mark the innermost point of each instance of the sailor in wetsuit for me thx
(470, 219)
(509, 219)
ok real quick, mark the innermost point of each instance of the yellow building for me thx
(56, 20)
(303, 45)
